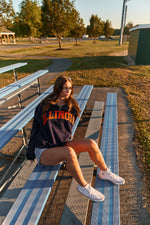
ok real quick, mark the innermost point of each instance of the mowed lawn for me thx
(100, 65)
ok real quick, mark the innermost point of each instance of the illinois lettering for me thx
(58, 115)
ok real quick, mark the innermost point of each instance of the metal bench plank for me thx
(14, 125)
(43, 187)
(108, 212)
(11, 67)
(20, 83)
(82, 99)
(16, 92)
(76, 207)
(37, 190)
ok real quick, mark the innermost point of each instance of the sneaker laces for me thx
(111, 174)
(91, 193)
(91, 190)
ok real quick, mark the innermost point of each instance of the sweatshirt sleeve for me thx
(35, 128)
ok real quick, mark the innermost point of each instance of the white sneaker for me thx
(91, 193)
(108, 175)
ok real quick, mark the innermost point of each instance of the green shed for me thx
(139, 45)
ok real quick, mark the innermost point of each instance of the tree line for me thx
(57, 18)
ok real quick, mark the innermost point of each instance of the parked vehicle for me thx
(101, 37)
(85, 36)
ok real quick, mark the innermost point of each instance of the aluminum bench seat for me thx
(108, 212)
(11, 67)
(14, 125)
(20, 83)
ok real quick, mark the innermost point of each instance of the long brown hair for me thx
(53, 97)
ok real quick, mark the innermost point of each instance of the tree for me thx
(108, 30)
(128, 27)
(78, 29)
(28, 21)
(58, 17)
(96, 26)
(6, 13)
(116, 32)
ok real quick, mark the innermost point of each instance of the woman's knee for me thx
(92, 143)
(70, 154)
(93, 147)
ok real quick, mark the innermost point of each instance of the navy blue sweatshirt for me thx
(52, 129)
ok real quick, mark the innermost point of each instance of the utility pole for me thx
(125, 16)
(123, 19)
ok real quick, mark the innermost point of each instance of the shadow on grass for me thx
(97, 62)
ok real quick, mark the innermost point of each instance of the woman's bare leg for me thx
(90, 146)
(53, 156)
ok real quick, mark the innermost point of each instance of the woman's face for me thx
(66, 91)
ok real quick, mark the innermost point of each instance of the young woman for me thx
(51, 141)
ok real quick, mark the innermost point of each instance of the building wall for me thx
(139, 45)
(133, 44)
(143, 50)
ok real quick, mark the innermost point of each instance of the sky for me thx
(138, 11)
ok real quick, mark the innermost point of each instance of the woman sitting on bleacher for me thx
(51, 141)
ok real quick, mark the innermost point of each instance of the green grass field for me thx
(100, 65)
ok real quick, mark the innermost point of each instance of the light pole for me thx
(123, 19)
(125, 16)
